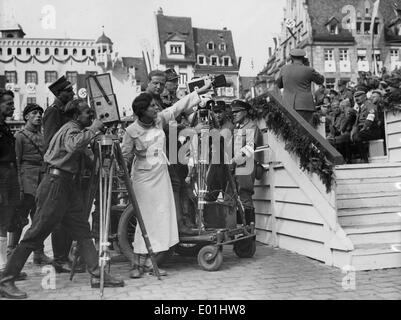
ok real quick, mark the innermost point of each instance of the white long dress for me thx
(151, 180)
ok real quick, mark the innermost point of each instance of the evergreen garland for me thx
(296, 142)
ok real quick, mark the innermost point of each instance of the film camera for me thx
(217, 82)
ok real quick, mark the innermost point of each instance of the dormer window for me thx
(214, 60)
(223, 47)
(226, 61)
(201, 60)
(175, 49)
(332, 26)
(210, 46)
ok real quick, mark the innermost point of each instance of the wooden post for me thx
(273, 217)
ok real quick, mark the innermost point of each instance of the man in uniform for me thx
(29, 149)
(344, 92)
(157, 82)
(366, 127)
(169, 96)
(9, 188)
(59, 200)
(53, 119)
(296, 79)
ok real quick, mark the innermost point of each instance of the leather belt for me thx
(61, 173)
(32, 163)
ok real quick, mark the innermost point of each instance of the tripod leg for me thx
(132, 198)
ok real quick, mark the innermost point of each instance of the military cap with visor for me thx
(62, 84)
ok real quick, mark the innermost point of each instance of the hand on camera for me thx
(97, 126)
(208, 85)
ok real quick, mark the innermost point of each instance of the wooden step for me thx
(368, 171)
(374, 233)
(373, 256)
(367, 211)
(363, 219)
(363, 188)
(370, 195)
(371, 202)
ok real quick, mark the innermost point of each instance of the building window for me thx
(175, 49)
(37, 52)
(328, 55)
(84, 52)
(19, 51)
(28, 51)
(47, 51)
(74, 52)
(31, 77)
(183, 79)
(214, 61)
(376, 28)
(226, 61)
(223, 47)
(9, 51)
(93, 52)
(50, 76)
(11, 77)
(367, 27)
(344, 55)
(333, 28)
(330, 83)
(210, 46)
(362, 55)
(31, 100)
(395, 55)
(358, 27)
(1, 51)
(72, 77)
(66, 52)
(201, 60)
(56, 51)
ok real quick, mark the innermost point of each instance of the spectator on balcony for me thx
(296, 80)
(366, 127)
(344, 92)
(377, 99)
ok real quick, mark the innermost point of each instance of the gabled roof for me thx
(182, 26)
(203, 36)
(176, 37)
(331, 20)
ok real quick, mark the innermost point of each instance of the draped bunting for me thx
(47, 60)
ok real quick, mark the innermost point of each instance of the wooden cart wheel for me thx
(245, 248)
(206, 260)
(126, 235)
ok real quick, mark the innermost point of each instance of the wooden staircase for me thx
(368, 200)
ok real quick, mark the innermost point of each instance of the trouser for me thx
(59, 201)
(216, 181)
(342, 144)
(9, 196)
(25, 209)
(307, 115)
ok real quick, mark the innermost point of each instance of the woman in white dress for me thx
(144, 143)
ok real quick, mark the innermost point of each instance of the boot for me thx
(109, 282)
(21, 277)
(137, 269)
(40, 258)
(10, 291)
(13, 240)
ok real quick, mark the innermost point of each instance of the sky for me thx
(129, 22)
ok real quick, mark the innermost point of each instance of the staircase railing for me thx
(316, 154)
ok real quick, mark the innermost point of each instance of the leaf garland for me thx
(47, 60)
(296, 142)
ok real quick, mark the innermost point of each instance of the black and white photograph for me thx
(206, 156)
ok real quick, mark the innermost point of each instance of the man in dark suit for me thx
(296, 80)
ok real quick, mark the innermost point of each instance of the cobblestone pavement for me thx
(273, 274)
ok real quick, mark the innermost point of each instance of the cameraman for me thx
(59, 200)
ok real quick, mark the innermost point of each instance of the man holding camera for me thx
(59, 200)
(296, 80)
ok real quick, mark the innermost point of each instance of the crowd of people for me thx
(42, 176)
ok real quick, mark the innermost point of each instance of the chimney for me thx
(270, 52)
(160, 11)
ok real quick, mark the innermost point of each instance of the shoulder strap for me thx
(33, 143)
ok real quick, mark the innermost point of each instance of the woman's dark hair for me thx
(74, 107)
(4, 93)
(141, 103)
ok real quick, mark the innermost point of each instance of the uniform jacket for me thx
(28, 143)
(367, 118)
(296, 79)
(53, 120)
(7, 144)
